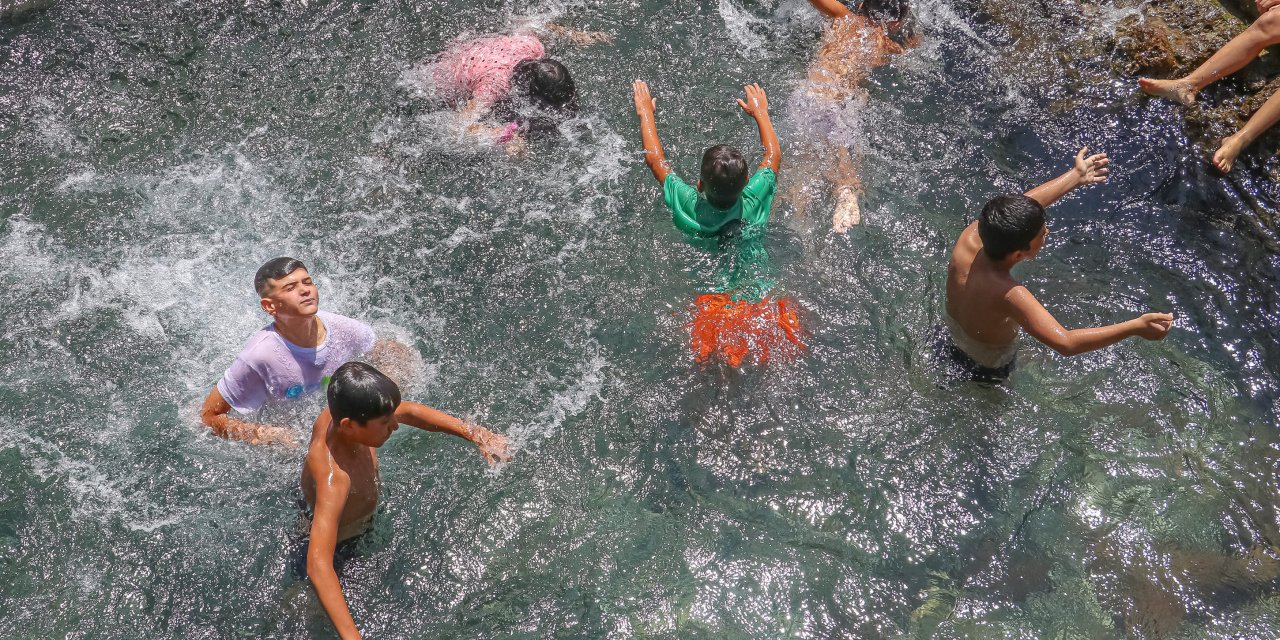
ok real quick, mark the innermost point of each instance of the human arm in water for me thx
(578, 36)
(1037, 321)
(653, 154)
(332, 487)
(492, 446)
(831, 8)
(1087, 170)
(757, 106)
(215, 415)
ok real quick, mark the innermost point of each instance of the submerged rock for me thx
(10, 8)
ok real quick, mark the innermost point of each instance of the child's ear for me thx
(699, 185)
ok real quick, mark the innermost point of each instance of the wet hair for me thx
(884, 10)
(897, 12)
(542, 96)
(724, 175)
(274, 269)
(362, 393)
(546, 82)
(1008, 224)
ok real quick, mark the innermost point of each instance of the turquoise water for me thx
(159, 154)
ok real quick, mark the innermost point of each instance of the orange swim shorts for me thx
(735, 329)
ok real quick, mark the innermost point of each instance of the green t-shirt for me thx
(693, 214)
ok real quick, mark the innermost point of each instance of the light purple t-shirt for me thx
(272, 368)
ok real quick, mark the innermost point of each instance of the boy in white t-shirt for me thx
(287, 359)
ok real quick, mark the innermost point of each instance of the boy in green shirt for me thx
(723, 193)
(743, 321)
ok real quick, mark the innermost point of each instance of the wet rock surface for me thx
(1081, 54)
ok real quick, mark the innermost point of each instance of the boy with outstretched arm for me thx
(986, 306)
(340, 476)
(740, 316)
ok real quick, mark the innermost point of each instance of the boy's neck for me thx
(339, 442)
(1005, 265)
(304, 331)
(726, 207)
(999, 266)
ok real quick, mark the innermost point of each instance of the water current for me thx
(158, 152)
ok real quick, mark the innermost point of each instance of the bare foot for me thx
(847, 214)
(1175, 90)
(1225, 157)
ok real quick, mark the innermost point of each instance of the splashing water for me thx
(160, 153)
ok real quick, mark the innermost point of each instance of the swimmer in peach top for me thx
(340, 481)
(858, 40)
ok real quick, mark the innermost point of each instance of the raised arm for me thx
(214, 414)
(653, 154)
(1087, 170)
(757, 106)
(492, 446)
(1041, 324)
(331, 496)
(830, 8)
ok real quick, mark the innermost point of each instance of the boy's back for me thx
(977, 293)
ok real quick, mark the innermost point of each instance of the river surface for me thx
(157, 152)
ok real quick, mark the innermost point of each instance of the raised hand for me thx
(1093, 169)
(1155, 326)
(757, 103)
(645, 103)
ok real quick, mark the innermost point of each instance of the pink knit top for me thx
(480, 68)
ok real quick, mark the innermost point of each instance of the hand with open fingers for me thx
(646, 104)
(493, 447)
(1155, 326)
(1266, 5)
(1091, 169)
(757, 103)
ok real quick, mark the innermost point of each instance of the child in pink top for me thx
(511, 79)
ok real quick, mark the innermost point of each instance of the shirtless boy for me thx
(340, 476)
(986, 306)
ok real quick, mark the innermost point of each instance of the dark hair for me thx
(542, 96)
(884, 10)
(547, 83)
(1008, 224)
(724, 175)
(889, 11)
(274, 269)
(362, 393)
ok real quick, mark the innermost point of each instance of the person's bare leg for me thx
(795, 185)
(1232, 145)
(846, 187)
(1264, 32)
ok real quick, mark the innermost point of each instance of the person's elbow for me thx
(319, 567)
(214, 414)
(1065, 345)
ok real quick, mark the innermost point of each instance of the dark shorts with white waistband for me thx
(961, 365)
